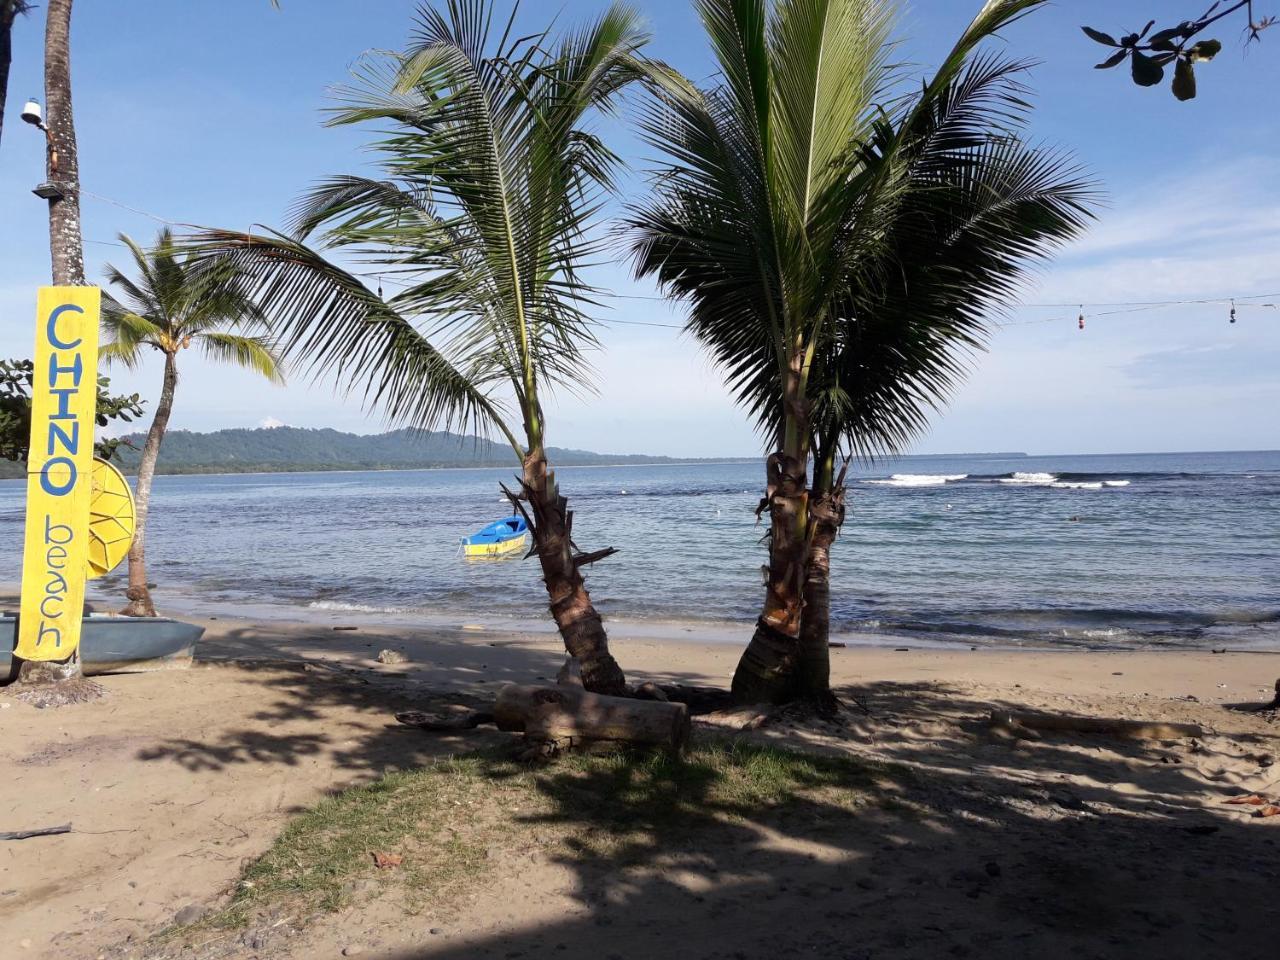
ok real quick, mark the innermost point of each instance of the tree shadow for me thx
(959, 844)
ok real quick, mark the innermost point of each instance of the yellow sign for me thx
(64, 396)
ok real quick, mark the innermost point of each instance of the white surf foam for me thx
(1076, 485)
(1115, 483)
(919, 479)
(344, 607)
(1031, 479)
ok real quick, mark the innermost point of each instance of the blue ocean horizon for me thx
(1126, 551)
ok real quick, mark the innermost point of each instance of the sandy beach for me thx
(1071, 845)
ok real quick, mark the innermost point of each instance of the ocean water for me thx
(1144, 550)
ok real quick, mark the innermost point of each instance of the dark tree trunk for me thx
(826, 516)
(139, 594)
(579, 623)
(67, 253)
(65, 245)
(766, 672)
(8, 13)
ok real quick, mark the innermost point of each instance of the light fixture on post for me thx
(32, 114)
(50, 191)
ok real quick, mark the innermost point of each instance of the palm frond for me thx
(482, 218)
(251, 353)
(129, 332)
(340, 331)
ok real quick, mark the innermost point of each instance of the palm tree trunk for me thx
(826, 516)
(65, 244)
(139, 594)
(67, 254)
(8, 13)
(766, 671)
(579, 623)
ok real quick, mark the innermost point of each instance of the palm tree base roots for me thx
(767, 671)
(56, 683)
(140, 603)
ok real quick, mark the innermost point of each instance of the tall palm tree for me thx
(176, 302)
(481, 224)
(9, 11)
(63, 680)
(836, 251)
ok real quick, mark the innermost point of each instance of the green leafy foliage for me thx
(1174, 45)
(481, 221)
(176, 302)
(915, 226)
(15, 411)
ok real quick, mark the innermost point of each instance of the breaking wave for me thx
(919, 479)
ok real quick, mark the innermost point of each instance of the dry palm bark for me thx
(138, 593)
(52, 683)
(765, 672)
(580, 625)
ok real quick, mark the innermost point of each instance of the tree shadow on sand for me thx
(963, 843)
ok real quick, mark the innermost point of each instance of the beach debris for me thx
(346, 628)
(38, 832)
(1251, 800)
(568, 716)
(385, 861)
(836, 645)
(449, 718)
(1270, 810)
(354, 950)
(392, 656)
(750, 717)
(1104, 726)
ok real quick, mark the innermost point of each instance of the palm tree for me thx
(9, 11)
(176, 302)
(838, 255)
(61, 681)
(482, 222)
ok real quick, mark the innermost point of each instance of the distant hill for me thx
(296, 449)
(284, 449)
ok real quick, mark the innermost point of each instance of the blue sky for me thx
(209, 113)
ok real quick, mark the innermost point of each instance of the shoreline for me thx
(325, 613)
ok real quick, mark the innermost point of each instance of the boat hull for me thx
(498, 549)
(119, 644)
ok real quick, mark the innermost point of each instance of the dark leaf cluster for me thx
(15, 411)
(1150, 53)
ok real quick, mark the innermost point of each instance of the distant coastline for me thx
(319, 450)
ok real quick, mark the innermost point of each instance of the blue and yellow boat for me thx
(497, 539)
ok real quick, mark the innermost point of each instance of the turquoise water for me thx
(1139, 550)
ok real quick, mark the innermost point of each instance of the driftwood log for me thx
(564, 712)
(1104, 726)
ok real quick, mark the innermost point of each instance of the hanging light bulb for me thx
(1233, 311)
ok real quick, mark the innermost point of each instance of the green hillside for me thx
(296, 449)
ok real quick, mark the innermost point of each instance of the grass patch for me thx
(445, 818)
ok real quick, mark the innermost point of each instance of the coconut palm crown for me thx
(175, 302)
(478, 227)
(841, 246)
